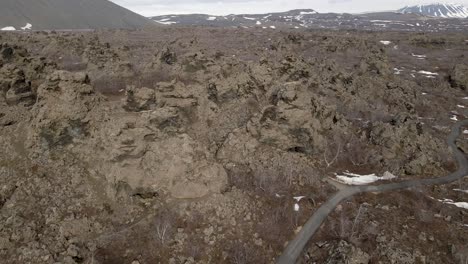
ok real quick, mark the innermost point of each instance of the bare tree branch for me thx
(329, 163)
(356, 219)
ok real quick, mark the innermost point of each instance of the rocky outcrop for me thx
(15, 88)
(170, 165)
(19, 75)
(140, 99)
(459, 76)
(401, 138)
(63, 103)
(210, 143)
(144, 145)
(203, 181)
(296, 120)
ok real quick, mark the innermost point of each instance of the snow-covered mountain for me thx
(438, 10)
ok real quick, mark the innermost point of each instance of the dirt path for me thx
(296, 246)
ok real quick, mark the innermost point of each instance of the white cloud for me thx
(217, 7)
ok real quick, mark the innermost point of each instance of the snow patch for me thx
(381, 21)
(460, 190)
(296, 207)
(259, 23)
(8, 29)
(273, 27)
(165, 22)
(398, 71)
(356, 179)
(298, 198)
(27, 27)
(385, 42)
(419, 56)
(428, 73)
(211, 18)
(454, 118)
(463, 205)
(307, 13)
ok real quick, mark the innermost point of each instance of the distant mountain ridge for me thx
(291, 17)
(311, 19)
(67, 14)
(438, 10)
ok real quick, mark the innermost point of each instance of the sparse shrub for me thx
(164, 227)
(163, 230)
(241, 253)
(330, 155)
(277, 225)
(427, 41)
(270, 181)
(194, 250)
(333, 149)
(346, 228)
(358, 152)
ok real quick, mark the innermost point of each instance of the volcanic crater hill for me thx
(164, 146)
(68, 14)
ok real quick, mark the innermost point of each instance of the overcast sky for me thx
(225, 7)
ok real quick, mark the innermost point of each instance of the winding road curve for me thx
(296, 246)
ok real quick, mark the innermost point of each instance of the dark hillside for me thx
(67, 14)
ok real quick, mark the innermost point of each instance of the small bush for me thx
(164, 228)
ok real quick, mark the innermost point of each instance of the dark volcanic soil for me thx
(187, 145)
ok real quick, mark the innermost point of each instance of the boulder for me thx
(140, 99)
(64, 101)
(16, 88)
(459, 76)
